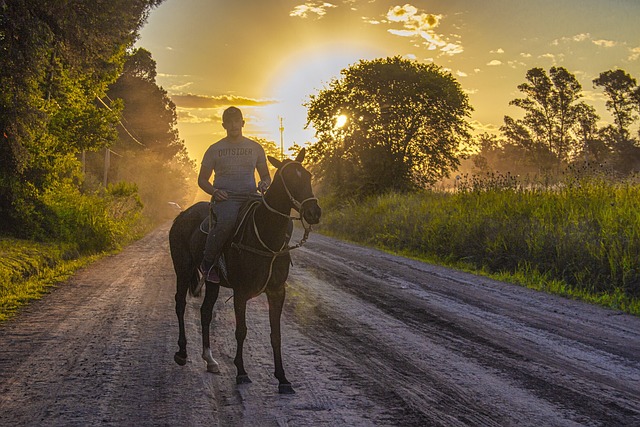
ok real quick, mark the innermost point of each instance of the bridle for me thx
(297, 205)
(285, 249)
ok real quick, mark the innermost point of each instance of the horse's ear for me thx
(275, 162)
(300, 156)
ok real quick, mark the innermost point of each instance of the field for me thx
(580, 239)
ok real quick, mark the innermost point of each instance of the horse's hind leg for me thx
(240, 309)
(206, 314)
(276, 301)
(181, 302)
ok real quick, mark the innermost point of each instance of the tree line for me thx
(73, 90)
(407, 127)
(558, 129)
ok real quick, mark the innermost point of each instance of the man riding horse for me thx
(256, 249)
(233, 161)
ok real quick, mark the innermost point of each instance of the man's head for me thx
(232, 121)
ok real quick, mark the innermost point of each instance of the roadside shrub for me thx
(94, 222)
(584, 233)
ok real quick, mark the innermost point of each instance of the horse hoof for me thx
(285, 389)
(179, 359)
(243, 379)
(214, 368)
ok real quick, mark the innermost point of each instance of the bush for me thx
(94, 222)
(584, 233)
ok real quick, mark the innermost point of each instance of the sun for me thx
(341, 120)
(297, 76)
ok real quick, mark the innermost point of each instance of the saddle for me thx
(210, 222)
(244, 215)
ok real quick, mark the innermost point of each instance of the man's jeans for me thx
(225, 214)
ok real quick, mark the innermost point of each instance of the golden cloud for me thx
(201, 101)
(415, 24)
(309, 8)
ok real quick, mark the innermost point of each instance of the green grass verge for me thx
(30, 269)
(581, 241)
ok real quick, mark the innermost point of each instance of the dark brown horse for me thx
(257, 260)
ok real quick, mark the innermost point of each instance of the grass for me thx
(30, 269)
(580, 239)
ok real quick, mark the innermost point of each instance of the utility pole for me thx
(281, 139)
(107, 162)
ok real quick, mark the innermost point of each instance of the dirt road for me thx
(369, 339)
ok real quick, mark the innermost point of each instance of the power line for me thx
(120, 122)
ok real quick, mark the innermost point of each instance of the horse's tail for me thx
(185, 258)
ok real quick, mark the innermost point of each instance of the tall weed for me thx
(583, 233)
(94, 222)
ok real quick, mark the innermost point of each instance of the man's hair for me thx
(231, 112)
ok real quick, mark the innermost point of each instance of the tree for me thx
(55, 58)
(621, 92)
(148, 150)
(550, 116)
(587, 133)
(149, 118)
(387, 124)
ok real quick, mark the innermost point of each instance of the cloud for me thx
(581, 37)
(604, 43)
(592, 95)
(499, 50)
(554, 58)
(494, 63)
(185, 116)
(479, 127)
(577, 38)
(420, 25)
(201, 101)
(516, 64)
(635, 54)
(452, 49)
(311, 8)
(401, 13)
(179, 87)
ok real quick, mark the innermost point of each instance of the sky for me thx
(268, 56)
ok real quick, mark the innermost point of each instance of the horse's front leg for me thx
(276, 302)
(181, 302)
(206, 314)
(240, 309)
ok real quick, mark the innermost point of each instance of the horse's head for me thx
(292, 178)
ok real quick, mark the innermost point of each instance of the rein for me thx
(285, 249)
(299, 206)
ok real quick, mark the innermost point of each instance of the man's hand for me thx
(219, 195)
(263, 186)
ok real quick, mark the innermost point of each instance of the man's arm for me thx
(203, 182)
(263, 171)
(203, 179)
(265, 178)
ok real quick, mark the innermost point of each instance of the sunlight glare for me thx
(341, 120)
(300, 74)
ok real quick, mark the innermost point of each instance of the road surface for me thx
(369, 339)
